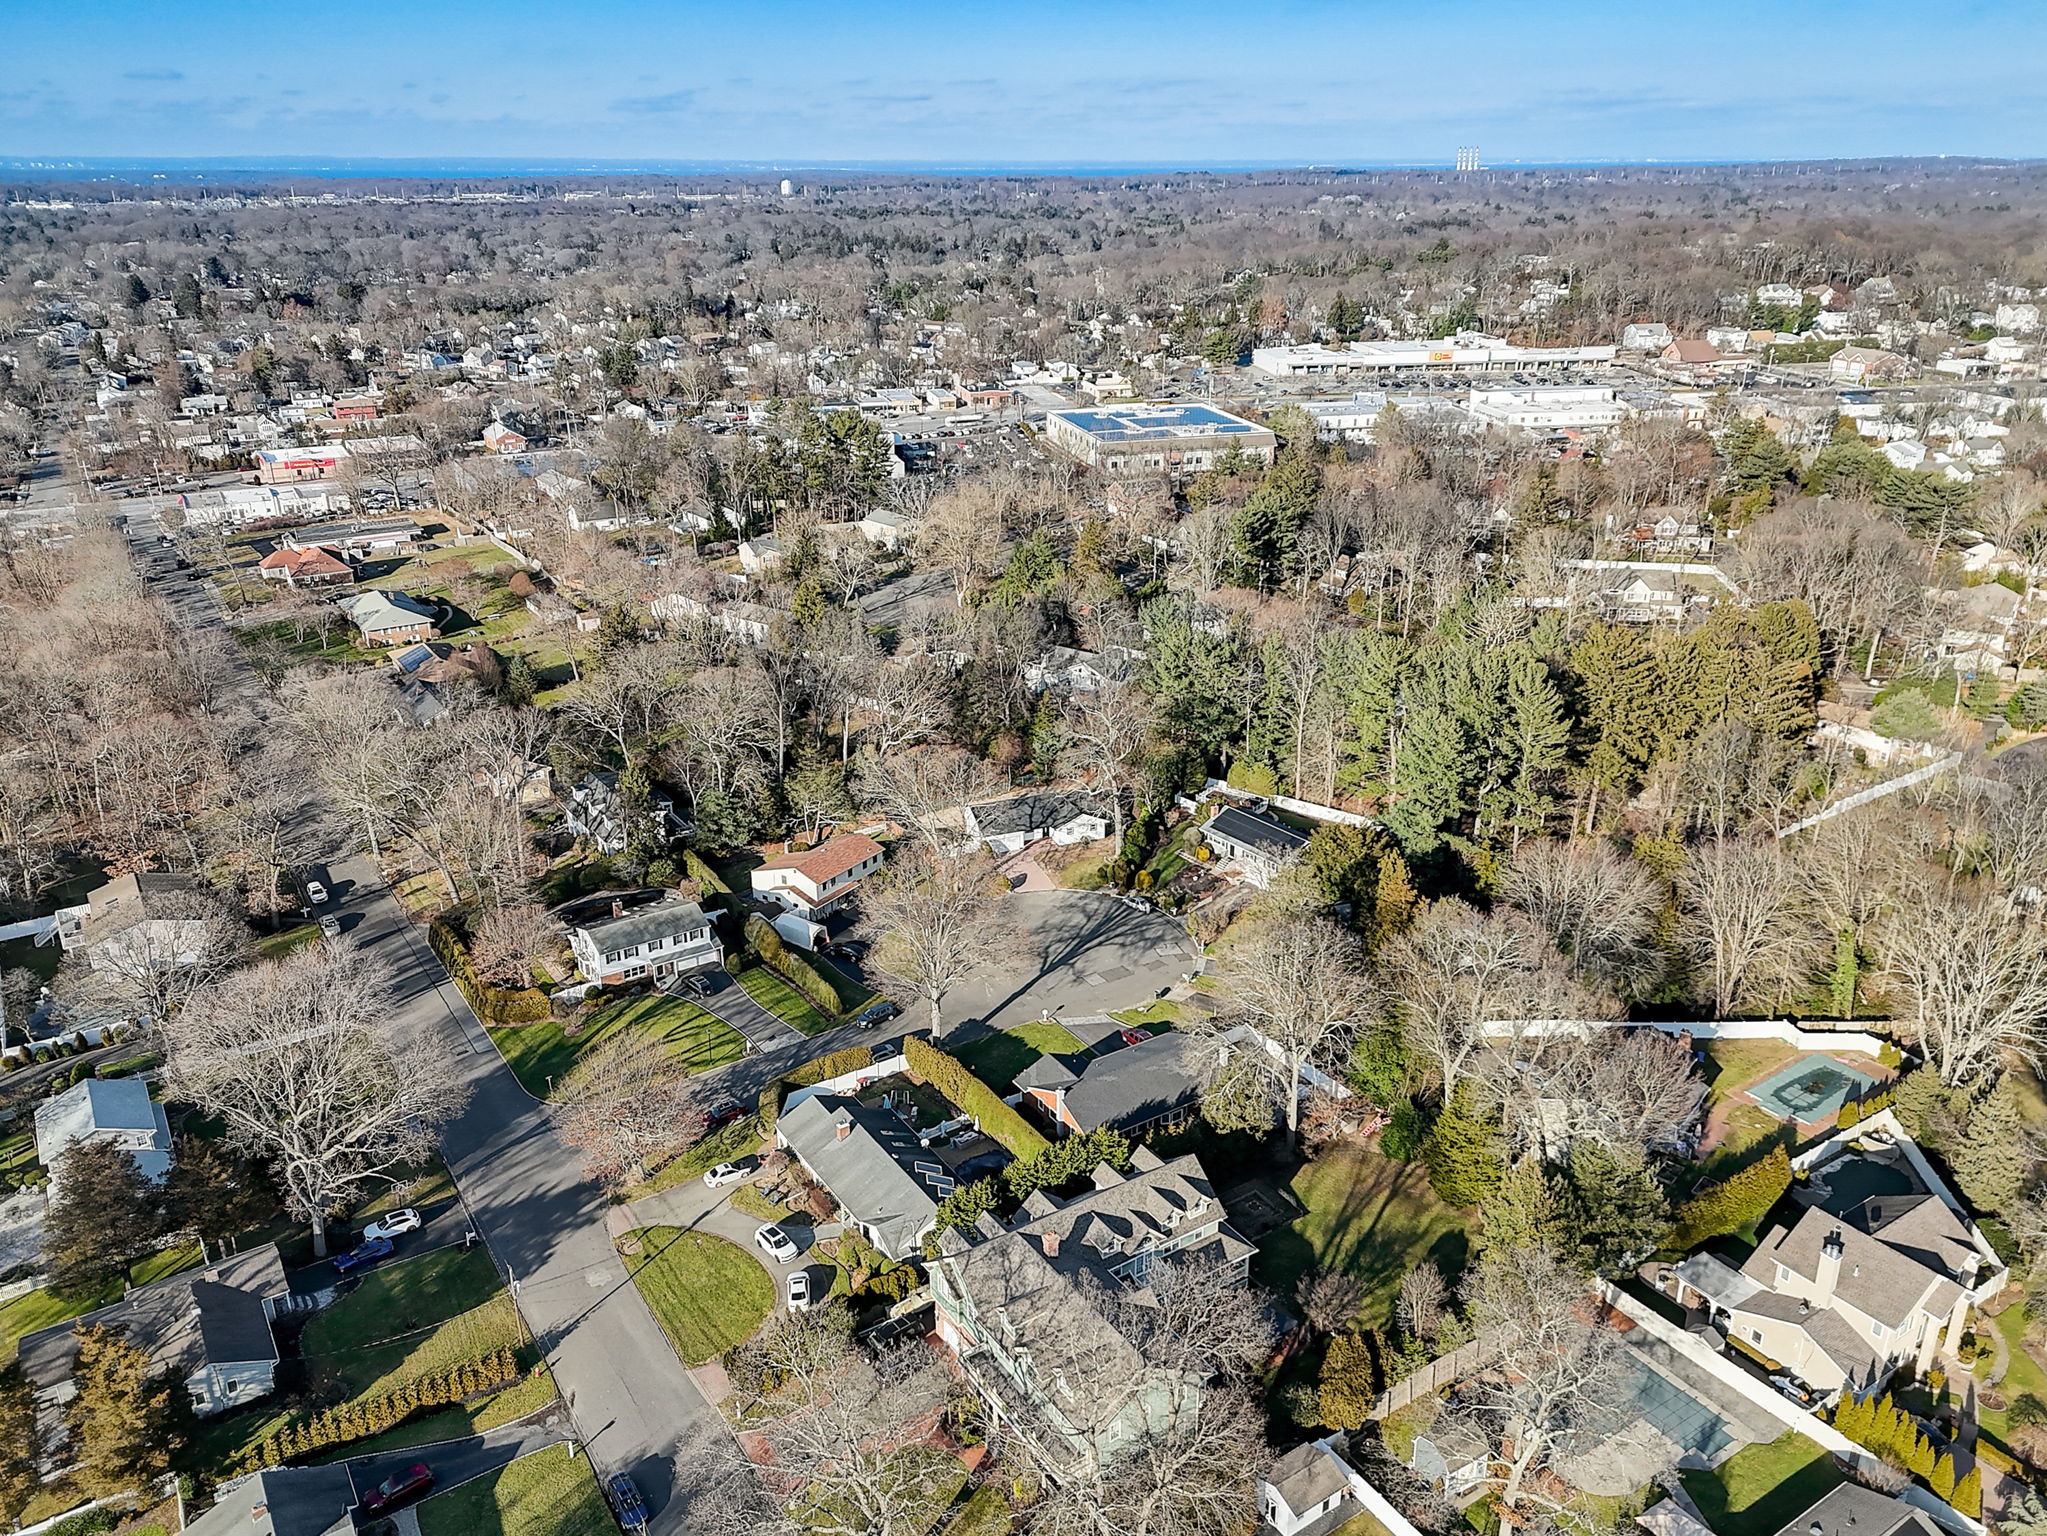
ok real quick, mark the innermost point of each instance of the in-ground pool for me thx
(1811, 1088)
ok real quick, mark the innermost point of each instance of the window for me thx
(633, 971)
(1755, 1335)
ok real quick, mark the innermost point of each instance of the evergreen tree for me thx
(1942, 1478)
(20, 1445)
(122, 1419)
(134, 291)
(1462, 1150)
(521, 681)
(1991, 1163)
(1614, 1208)
(1192, 673)
(1537, 742)
(1368, 669)
(1346, 1384)
(215, 1193)
(1968, 1496)
(186, 297)
(1265, 535)
(104, 1216)
(1523, 1211)
(1618, 684)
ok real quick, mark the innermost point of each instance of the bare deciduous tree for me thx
(1300, 981)
(1745, 919)
(1597, 906)
(937, 919)
(288, 1054)
(1630, 1091)
(1418, 1304)
(1106, 729)
(508, 940)
(625, 1104)
(1972, 975)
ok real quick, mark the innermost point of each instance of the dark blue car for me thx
(626, 1503)
(363, 1255)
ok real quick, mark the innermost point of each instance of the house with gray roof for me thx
(1852, 1510)
(1130, 1089)
(1024, 1307)
(210, 1327)
(1307, 1492)
(389, 618)
(1056, 815)
(117, 1110)
(622, 936)
(282, 1501)
(1259, 845)
(873, 1164)
(1858, 1285)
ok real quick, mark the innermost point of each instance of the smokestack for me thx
(1831, 1250)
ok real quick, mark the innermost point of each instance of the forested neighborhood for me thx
(880, 858)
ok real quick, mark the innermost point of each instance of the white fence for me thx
(1786, 1412)
(848, 1082)
(1703, 1029)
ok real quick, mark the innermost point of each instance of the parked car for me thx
(724, 1115)
(372, 1251)
(1136, 902)
(315, 892)
(330, 926)
(776, 1243)
(1134, 1036)
(876, 1014)
(799, 1291)
(626, 1503)
(696, 986)
(415, 1482)
(852, 949)
(394, 1222)
(723, 1174)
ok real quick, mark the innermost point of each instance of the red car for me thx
(415, 1482)
(1135, 1036)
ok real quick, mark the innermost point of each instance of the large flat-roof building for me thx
(1467, 349)
(1549, 408)
(1156, 439)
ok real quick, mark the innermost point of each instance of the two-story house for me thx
(209, 1327)
(595, 810)
(1859, 1285)
(818, 880)
(618, 937)
(118, 1110)
(1022, 1306)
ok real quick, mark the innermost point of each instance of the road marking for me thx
(598, 1279)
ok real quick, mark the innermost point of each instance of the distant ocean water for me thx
(250, 169)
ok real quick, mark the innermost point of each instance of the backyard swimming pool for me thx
(1811, 1088)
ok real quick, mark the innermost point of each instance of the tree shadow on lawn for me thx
(1374, 1229)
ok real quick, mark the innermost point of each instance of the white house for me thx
(1059, 816)
(1308, 1489)
(116, 1110)
(621, 937)
(1645, 336)
(1256, 843)
(817, 880)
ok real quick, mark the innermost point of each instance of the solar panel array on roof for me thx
(1155, 421)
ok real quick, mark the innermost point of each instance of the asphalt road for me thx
(1090, 954)
(631, 1402)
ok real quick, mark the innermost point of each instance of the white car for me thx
(723, 1174)
(776, 1244)
(315, 892)
(799, 1291)
(330, 926)
(407, 1220)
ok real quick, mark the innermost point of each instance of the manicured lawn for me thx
(707, 1293)
(430, 1185)
(274, 946)
(2023, 1375)
(549, 1493)
(1369, 1217)
(1762, 1488)
(996, 1059)
(408, 1319)
(1155, 1016)
(18, 1159)
(728, 1144)
(541, 1054)
(528, 1395)
(784, 1001)
(1736, 1062)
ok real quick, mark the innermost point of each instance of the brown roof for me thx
(829, 859)
(1692, 352)
(317, 561)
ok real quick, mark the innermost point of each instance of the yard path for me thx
(626, 1396)
(732, 1003)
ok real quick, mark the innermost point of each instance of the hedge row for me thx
(851, 1059)
(1734, 1202)
(1855, 1111)
(359, 1420)
(706, 877)
(778, 957)
(949, 1075)
(493, 1005)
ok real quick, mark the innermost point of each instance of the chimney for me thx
(842, 1125)
(1831, 1250)
(617, 907)
(1051, 1245)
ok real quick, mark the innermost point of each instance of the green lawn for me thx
(530, 1394)
(408, 1319)
(728, 1144)
(45, 1309)
(18, 1159)
(1762, 1488)
(1156, 1015)
(707, 1293)
(1370, 1217)
(996, 1059)
(275, 946)
(429, 1184)
(784, 1001)
(549, 1493)
(1736, 1062)
(2023, 1375)
(541, 1054)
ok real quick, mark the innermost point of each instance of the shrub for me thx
(1401, 1138)
(93, 1522)
(836, 1064)
(973, 1097)
(1348, 1383)
(778, 957)
(1734, 1202)
(1462, 1149)
(372, 1416)
(493, 1005)
(2028, 1411)
(1064, 1161)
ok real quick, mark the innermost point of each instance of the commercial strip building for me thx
(1467, 349)
(1156, 439)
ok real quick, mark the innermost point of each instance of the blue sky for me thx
(1191, 82)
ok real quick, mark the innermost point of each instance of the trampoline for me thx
(1810, 1089)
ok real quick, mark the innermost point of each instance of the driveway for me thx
(458, 1461)
(1088, 953)
(696, 1208)
(764, 1031)
(628, 1398)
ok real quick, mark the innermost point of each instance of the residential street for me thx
(629, 1397)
